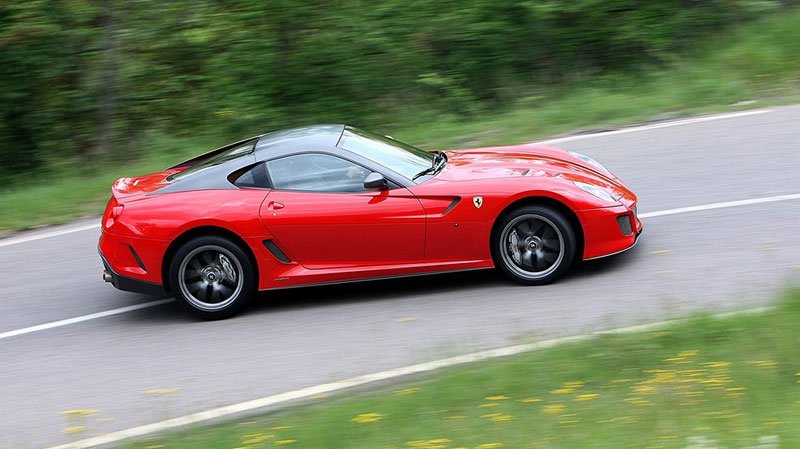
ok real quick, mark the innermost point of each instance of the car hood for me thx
(525, 160)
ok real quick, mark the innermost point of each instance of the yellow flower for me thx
(489, 404)
(497, 398)
(406, 391)
(368, 418)
(498, 417)
(586, 397)
(285, 442)
(79, 412)
(456, 417)
(563, 391)
(490, 446)
(553, 409)
(436, 443)
(530, 400)
(575, 384)
(74, 429)
(690, 353)
(717, 364)
(280, 427)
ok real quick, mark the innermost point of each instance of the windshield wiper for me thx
(439, 161)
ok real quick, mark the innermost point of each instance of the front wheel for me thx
(212, 277)
(534, 245)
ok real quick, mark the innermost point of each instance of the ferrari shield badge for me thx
(477, 201)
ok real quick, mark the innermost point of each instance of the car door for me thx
(322, 216)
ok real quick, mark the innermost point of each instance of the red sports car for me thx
(333, 203)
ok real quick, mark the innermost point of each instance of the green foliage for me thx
(703, 382)
(82, 81)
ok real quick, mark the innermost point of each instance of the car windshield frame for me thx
(401, 158)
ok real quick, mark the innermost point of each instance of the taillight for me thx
(113, 211)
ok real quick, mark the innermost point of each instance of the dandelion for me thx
(368, 418)
(553, 409)
(586, 397)
(530, 400)
(79, 412)
(718, 364)
(285, 442)
(406, 391)
(490, 446)
(489, 404)
(575, 384)
(562, 391)
(455, 417)
(690, 353)
(498, 417)
(497, 398)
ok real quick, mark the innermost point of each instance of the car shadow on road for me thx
(379, 290)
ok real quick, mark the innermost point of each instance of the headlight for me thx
(596, 191)
(589, 160)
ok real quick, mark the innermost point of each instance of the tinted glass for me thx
(316, 173)
(254, 177)
(392, 154)
(225, 156)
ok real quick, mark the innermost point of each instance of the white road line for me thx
(661, 213)
(309, 392)
(633, 129)
(44, 235)
(703, 207)
(79, 319)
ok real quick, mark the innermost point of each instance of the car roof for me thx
(306, 138)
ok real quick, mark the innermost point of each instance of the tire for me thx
(212, 277)
(534, 245)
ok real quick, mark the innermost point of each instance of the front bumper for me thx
(610, 230)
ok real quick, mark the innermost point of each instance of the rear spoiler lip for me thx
(196, 160)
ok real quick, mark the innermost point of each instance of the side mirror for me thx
(375, 181)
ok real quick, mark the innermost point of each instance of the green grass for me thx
(733, 381)
(760, 61)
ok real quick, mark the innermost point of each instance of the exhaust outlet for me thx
(107, 277)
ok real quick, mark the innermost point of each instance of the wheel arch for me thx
(540, 200)
(200, 231)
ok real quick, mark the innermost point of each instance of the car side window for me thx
(252, 177)
(316, 172)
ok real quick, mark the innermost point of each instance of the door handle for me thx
(274, 205)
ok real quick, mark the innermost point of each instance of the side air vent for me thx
(273, 248)
(624, 222)
(136, 257)
(452, 205)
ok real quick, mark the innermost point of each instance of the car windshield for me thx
(392, 154)
(232, 153)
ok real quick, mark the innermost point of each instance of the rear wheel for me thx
(212, 277)
(534, 245)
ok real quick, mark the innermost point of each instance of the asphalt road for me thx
(726, 258)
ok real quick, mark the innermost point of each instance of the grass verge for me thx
(759, 61)
(702, 383)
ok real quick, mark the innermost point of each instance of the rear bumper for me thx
(129, 284)
(609, 231)
(132, 264)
